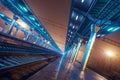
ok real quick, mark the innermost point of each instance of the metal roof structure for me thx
(21, 9)
(103, 13)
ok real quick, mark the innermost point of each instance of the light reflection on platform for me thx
(77, 74)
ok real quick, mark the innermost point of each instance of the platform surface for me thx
(49, 72)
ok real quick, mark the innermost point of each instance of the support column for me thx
(77, 50)
(16, 32)
(89, 46)
(27, 37)
(5, 26)
(74, 52)
(15, 18)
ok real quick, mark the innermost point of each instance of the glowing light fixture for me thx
(116, 29)
(73, 13)
(42, 29)
(2, 15)
(23, 24)
(70, 24)
(37, 24)
(82, 1)
(68, 30)
(32, 18)
(110, 29)
(48, 42)
(109, 53)
(33, 42)
(77, 17)
(102, 35)
(73, 27)
(9, 19)
(23, 8)
(98, 35)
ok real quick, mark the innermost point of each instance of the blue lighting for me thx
(9, 20)
(37, 24)
(73, 27)
(2, 15)
(73, 14)
(98, 35)
(113, 29)
(23, 8)
(116, 29)
(102, 35)
(82, 1)
(32, 18)
(77, 17)
(42, 29)
(110, 29)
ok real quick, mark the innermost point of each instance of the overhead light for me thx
(82, 1)
(77, 17)
(71, 32)
(2, 15)
(73, 13)
(23, 8)
(109, 29)
(102, 35)
(42, 29)
(32, 18)
(9, 19)
(48, 42)
(98, 35)
(37, 24)
(109, 53)
(33, 42)
(23, 24)
(73, 27)
(70, 24)
(116, 29)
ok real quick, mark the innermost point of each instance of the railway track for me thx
(21, 68)
(20, 59)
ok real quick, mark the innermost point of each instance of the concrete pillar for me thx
(5, 26)
(89, 46)
(15, 18)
